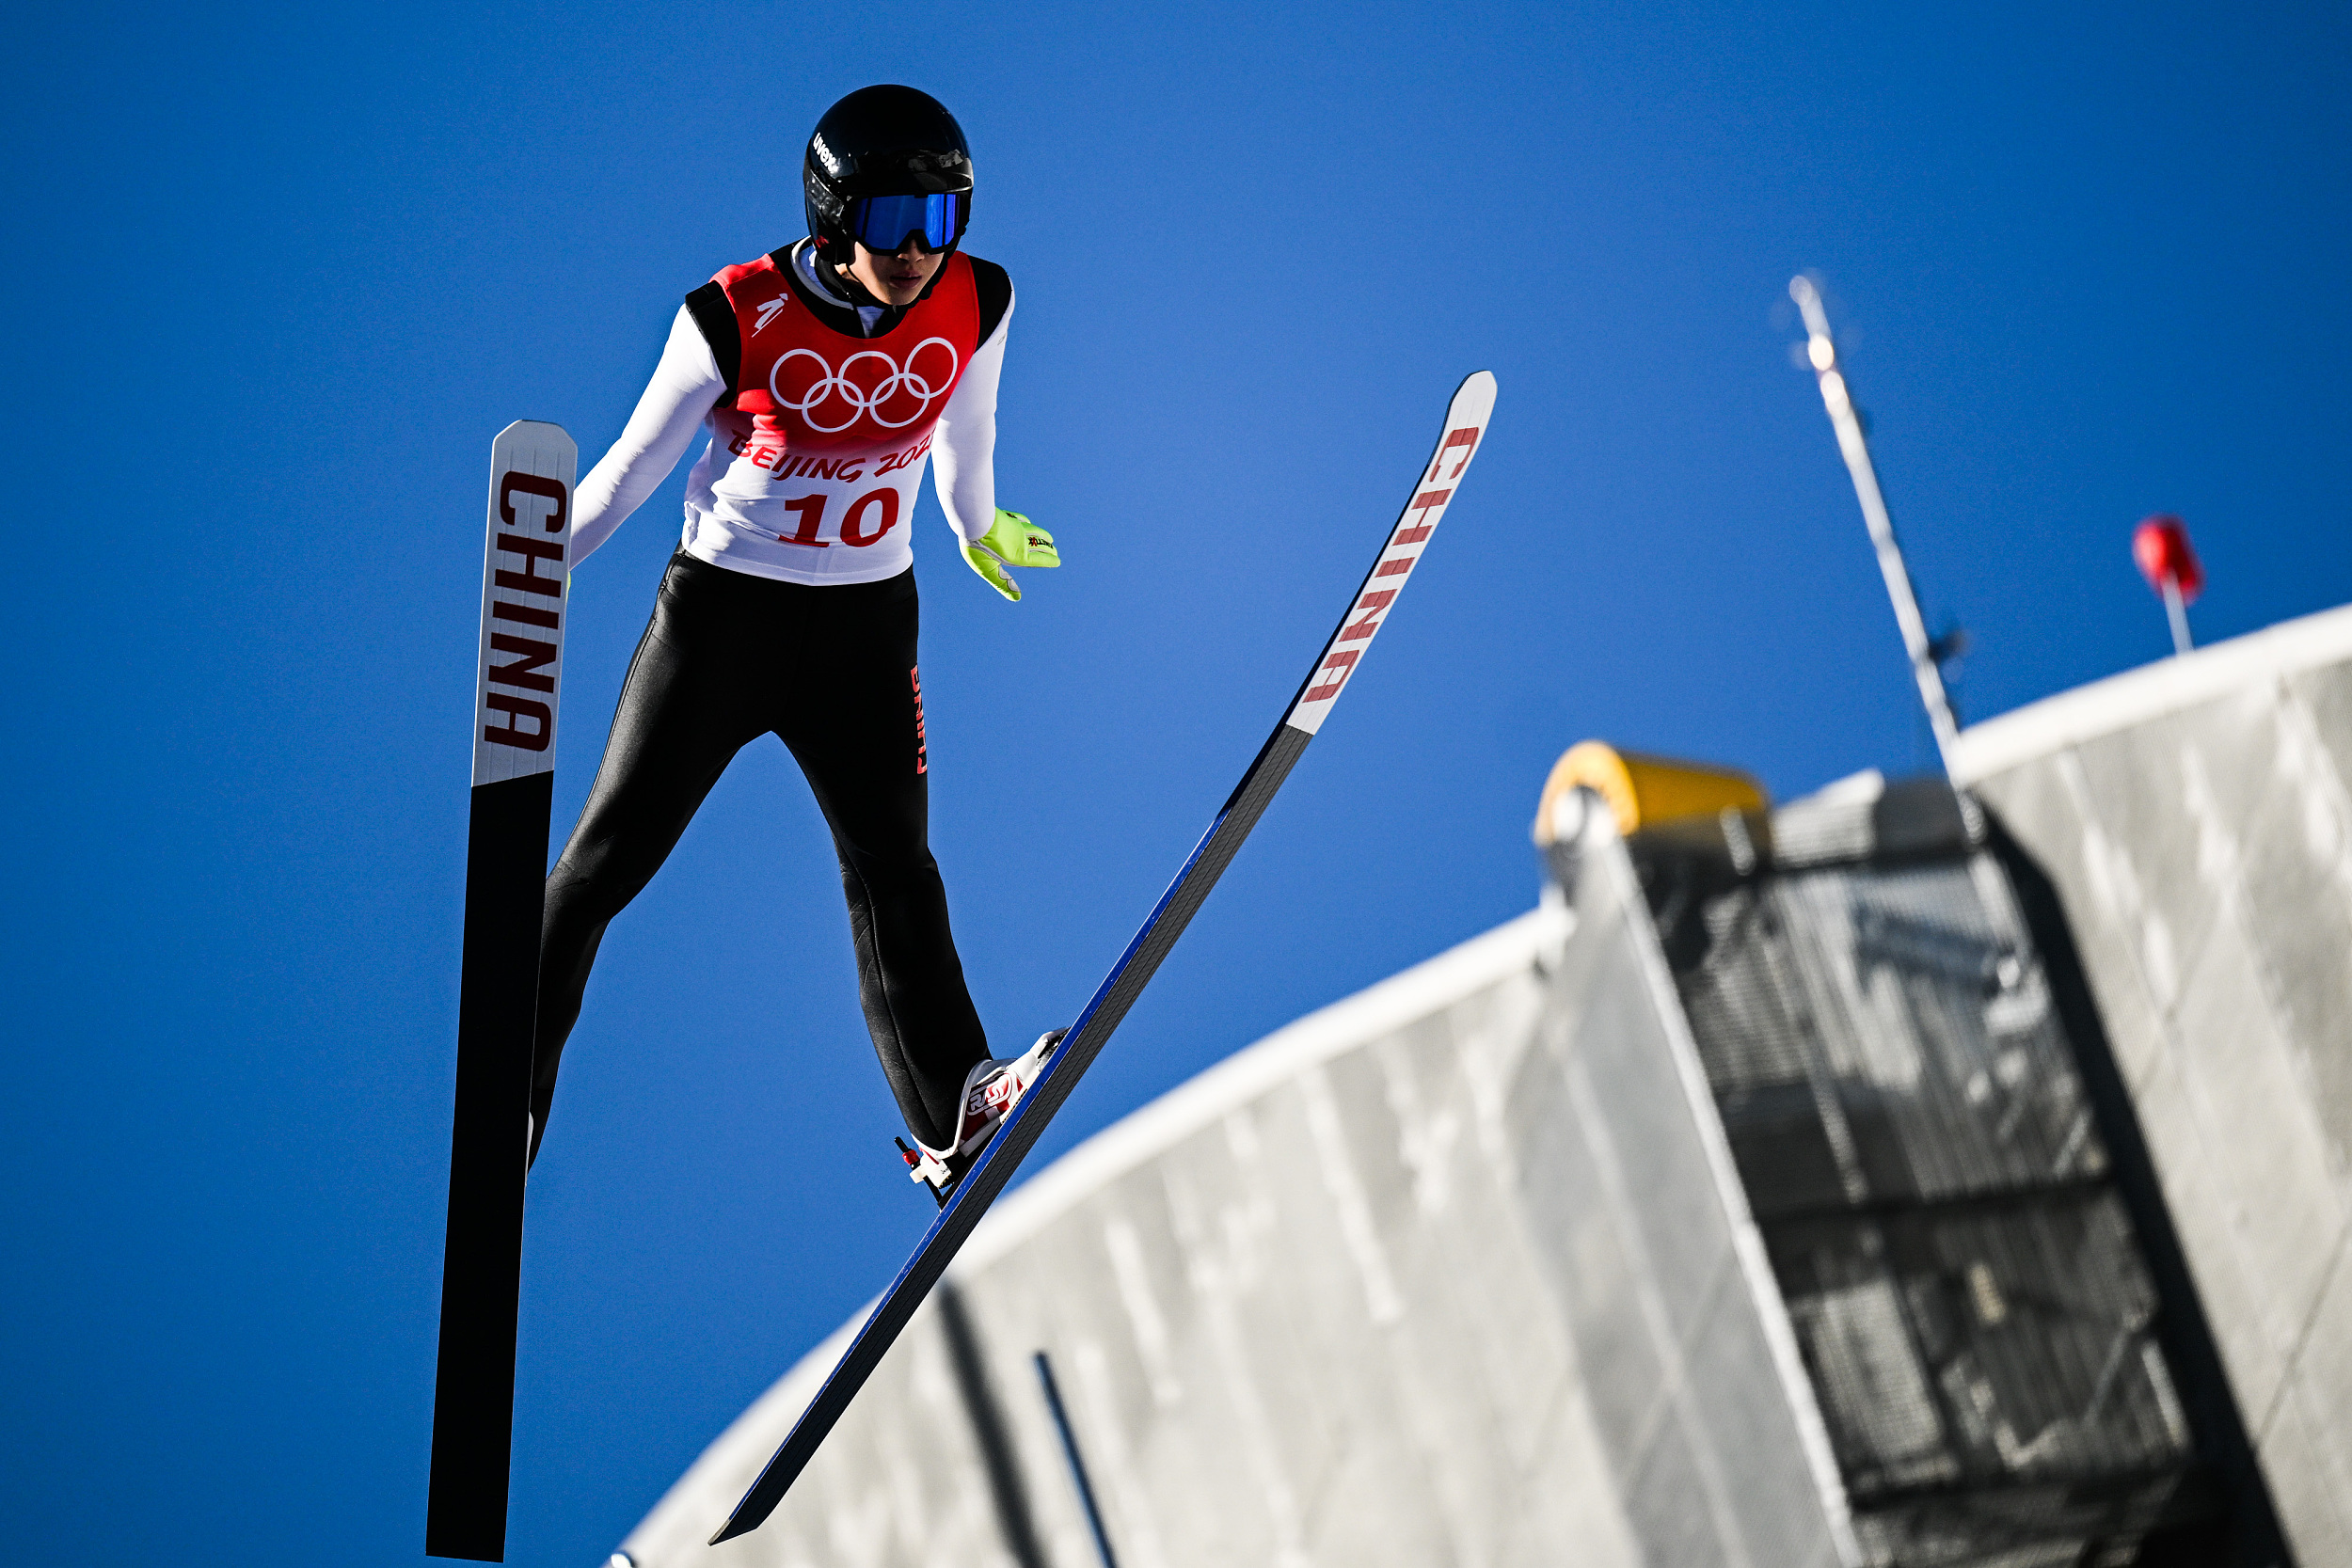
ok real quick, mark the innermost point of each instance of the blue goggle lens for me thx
(883, 223)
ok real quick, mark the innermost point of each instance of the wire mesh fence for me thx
(1910, 1125)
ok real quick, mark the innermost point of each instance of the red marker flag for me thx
(2160, 544)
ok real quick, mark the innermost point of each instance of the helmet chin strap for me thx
(858, 292)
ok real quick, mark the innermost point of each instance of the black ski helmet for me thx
(881, 140)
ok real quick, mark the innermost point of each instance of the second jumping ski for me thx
(993, 1168)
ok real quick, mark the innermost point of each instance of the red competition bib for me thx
(828, 433)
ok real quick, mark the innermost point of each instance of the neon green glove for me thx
(1012, 540)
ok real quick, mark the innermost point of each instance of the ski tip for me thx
(1473, 399)
(538, 430)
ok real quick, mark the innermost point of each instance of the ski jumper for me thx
(790, 609)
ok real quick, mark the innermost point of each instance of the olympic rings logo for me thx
(861, 400)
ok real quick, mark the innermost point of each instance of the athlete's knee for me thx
(893, 898)
(904, 865)
(596, 880)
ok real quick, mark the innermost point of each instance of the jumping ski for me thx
(1466, 422)
(518, 668)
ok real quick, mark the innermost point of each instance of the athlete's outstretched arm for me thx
(964, 455)
(685, 386)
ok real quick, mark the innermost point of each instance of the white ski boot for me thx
(990, 1090)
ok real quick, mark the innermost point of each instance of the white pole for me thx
(2176, 613)
(1822, 349)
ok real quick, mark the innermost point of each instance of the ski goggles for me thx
(883, 223)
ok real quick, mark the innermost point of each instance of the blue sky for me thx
(280, 275)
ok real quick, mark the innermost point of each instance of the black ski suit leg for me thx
(855, 727)
(694, 696)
